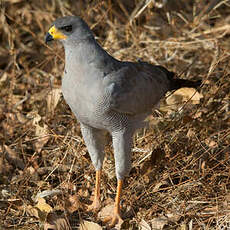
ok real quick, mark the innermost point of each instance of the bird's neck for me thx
(87, 55)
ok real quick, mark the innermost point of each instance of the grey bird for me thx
(108, 95)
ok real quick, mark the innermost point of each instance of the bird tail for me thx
(176, 83)
(180, 83)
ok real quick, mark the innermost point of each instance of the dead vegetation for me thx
(181, 167)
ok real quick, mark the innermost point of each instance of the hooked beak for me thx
(48, 37)
(54, 34)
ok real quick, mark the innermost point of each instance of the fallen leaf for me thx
(21, 118)
(34, 116)
(173, 217)
(183, 227)
(30, 170)
(210, 143)
(52, 100)
(105, 214)
(43, 137)
(55, 222)
(43, 206)
(144, 225)
(3, 78)
(40, 132)
(40, 210)
(87, 225)
(13, 158)
(32, 211)
(158, 223)
(183, 95)
(72, 204)
(106, 211)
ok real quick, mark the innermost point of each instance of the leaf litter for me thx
(184, 149)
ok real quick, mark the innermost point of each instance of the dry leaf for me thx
(173, 217)
(3, 78)
(72, 204)
(41, 209)
(87, 225)
(32, 211)
(183, 95)
(159, 222)
(106, 211)
(12, 157)
(210, 143)
(21, 118)
(43, 206)
(144, 225)
(42, 134)
(182, 227)
(30, 170)
(55, 222)
(52, 100)
(34, 116)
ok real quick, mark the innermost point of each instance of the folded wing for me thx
(135, 88)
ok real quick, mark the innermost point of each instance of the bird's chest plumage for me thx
(85, 97)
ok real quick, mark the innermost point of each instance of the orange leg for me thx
(116, 217)
(96, 201)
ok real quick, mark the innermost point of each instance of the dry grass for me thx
(181, 165)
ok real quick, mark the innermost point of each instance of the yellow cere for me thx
(56, 34)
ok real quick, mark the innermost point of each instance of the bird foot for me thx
(114, 220)
(94, 206)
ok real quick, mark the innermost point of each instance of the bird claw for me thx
(114, 220)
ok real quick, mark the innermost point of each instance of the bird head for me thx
(68, 29)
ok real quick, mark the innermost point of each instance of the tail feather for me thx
(176, 83)
(180, 83)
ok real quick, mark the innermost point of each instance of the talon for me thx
(115, 219)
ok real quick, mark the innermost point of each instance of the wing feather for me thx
(135, 88)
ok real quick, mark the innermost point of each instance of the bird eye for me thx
(67, 28)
